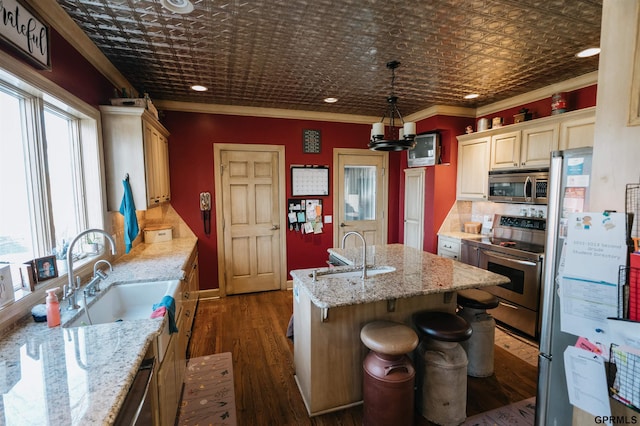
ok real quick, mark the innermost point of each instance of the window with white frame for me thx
(50, 185)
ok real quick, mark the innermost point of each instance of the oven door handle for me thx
(510, 259)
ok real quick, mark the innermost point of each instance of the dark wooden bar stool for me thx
(389, 375)
(441, 367)
(480, 347)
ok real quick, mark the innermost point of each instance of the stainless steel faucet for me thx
(364, 250)
(94, 285)
(69, 290)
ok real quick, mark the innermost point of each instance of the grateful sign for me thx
(22, 30)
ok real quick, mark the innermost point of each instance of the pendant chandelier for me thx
(392, 138)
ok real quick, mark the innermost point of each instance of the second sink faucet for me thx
(69, 291)
(364, 250)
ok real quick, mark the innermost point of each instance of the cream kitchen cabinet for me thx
(526, 148)
(135, 145)
(449, 247)
(172, 366)
(473, 168)
(578, 131)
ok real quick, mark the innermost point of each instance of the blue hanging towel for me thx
(128, 210)
(169, 304)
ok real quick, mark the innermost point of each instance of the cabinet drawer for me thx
(449, 245)
(449, 254)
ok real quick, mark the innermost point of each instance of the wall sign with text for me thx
(22, 30)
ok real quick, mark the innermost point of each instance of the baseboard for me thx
(213, 293)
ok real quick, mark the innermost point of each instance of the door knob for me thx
(275, 227)
(342, 225)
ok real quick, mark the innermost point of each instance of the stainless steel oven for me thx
(519, 300)
(516, 251)
(524, 274)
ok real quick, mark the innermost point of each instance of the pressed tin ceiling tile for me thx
(292, 54)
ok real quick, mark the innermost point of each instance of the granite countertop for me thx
(462, 235)
(80, 376)
(416, 273)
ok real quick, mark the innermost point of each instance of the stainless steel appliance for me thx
(568, 192)
(515, 251)
(523, 186)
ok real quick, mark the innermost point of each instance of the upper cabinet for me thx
(577, 132)
(524, 145)
(526, 148)
(135, 145)
(473, 169)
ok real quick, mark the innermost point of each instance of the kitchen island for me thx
(329, 312)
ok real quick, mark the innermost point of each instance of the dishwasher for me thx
(137, 408)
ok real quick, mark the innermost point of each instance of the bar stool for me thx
(441, 367)
(389, 376)
(480, 347)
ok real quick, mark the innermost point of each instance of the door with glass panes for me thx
(360, 196)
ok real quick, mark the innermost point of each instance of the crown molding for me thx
(263, 112)
(452, 111)
(576, 83)
(55, 16)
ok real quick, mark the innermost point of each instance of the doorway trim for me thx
(282, 201)
(337, 152)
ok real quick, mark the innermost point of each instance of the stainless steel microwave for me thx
(522, 186)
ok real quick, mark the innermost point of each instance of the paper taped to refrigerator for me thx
(595, 249)
(587, 381)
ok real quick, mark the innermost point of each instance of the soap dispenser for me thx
(53, 308)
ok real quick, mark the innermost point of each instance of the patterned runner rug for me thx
(208, 397)
(517, 414)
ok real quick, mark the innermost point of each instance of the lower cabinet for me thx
(171, 370)
(449, 247)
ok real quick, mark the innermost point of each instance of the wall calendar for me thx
(309, 180)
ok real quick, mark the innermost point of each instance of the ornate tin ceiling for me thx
(292, 54)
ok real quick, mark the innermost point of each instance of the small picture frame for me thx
(46, 268)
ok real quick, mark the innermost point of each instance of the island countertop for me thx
(416, 273)
(80, 376)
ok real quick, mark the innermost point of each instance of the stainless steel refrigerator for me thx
(552, 402)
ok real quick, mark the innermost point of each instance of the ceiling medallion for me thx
(392, 138)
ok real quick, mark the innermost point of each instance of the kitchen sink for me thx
(356, 273)
(125, 302)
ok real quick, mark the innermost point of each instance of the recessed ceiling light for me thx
(199, 88)
(471, 96)
(592, 51)
(177, 6)
(331, 100)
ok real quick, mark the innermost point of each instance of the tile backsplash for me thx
(160, 215)
(476, 211)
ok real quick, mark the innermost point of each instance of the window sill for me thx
(20, 308)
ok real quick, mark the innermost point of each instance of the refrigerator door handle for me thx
(551, 249)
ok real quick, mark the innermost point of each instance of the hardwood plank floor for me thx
(253, 328)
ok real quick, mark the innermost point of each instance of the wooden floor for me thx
(252, 327)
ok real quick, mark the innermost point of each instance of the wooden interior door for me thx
(250, 222)
(360, 195)
(414, 207)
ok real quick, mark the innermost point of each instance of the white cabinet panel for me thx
(135, 144)
(473, 169)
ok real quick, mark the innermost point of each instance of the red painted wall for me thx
(191, 167)
(440, 180)
(71, 71)
(577, 99)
